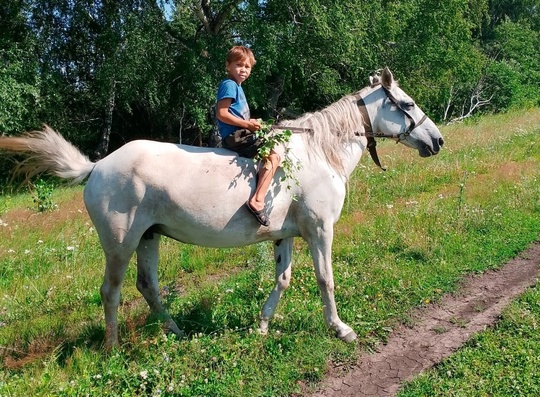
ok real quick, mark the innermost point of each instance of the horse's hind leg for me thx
(147, 280)
(115, 270)
(283, 257)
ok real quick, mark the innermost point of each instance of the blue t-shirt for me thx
(239, 107)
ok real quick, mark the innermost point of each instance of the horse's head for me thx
(393, 114)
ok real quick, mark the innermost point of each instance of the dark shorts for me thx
(244, 142)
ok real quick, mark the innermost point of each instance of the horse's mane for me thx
(326, 131)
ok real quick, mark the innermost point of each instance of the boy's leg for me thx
(244, 142)
(265, 176)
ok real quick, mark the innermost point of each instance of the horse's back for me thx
(160, 164)
(178, 172)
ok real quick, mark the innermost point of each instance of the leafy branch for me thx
(270, 139)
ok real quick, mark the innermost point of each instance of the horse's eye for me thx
(409, 105)
(392, 104)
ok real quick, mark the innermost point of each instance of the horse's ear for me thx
(374, 80)
(387, 78)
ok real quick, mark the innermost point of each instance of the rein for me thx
(368, 129)
(371, 143)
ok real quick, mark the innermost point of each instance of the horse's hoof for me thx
(348, 338)
(170, 327)
(262, 331)
(180, 334)
(110, 346)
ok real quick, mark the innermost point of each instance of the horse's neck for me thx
(352, 152)
(350, 155)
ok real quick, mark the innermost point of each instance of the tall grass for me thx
(406, 236)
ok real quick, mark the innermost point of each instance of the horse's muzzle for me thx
(433, 149)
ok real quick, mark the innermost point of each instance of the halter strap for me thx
(371, 135)
(412, 124)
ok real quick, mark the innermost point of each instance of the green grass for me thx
(406, 237)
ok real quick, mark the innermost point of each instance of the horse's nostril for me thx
(441, 142)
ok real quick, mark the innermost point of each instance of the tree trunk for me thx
(103, 146)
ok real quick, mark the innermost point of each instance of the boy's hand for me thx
(254, 125)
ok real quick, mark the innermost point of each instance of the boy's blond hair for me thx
(238, 53)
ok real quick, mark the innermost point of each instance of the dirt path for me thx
(438, 331)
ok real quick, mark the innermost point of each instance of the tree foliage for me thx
(19, 80)
(104, 72)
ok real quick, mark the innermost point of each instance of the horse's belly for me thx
(230, 236)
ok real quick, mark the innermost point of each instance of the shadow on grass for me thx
(208, 316)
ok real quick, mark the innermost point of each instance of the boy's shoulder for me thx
(228, 88)
(228, 82)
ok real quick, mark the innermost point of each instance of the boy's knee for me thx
(272, 161)
(274, 158)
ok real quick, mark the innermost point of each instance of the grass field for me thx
(406, 237)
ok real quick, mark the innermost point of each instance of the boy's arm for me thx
(225, 117)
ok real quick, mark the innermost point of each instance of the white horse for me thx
(196, 195)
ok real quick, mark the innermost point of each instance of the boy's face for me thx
(239, 70)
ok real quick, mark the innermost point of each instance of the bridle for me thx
(367, 122)
(371, 135)
(368, 129)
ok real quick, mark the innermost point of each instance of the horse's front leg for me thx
(283, 257)
(321, 249)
